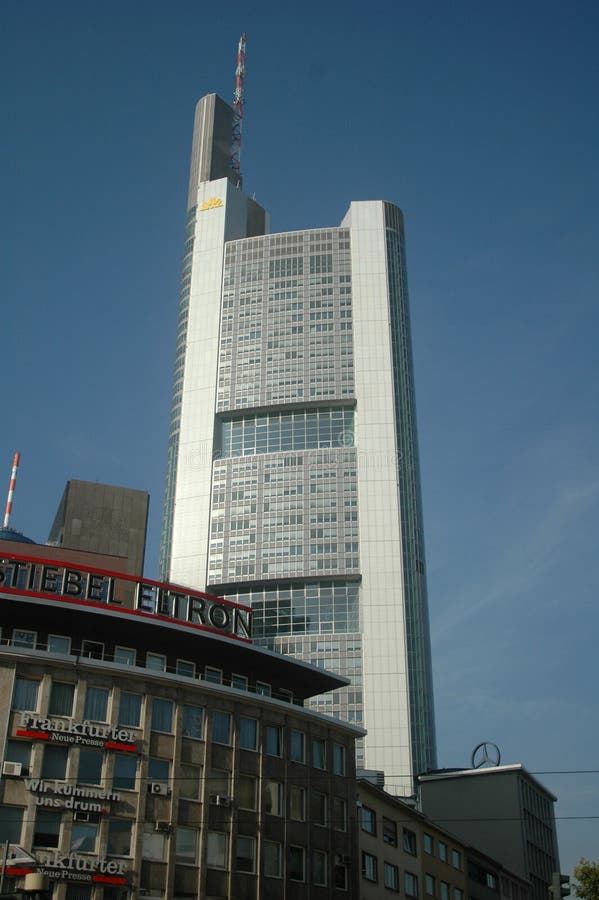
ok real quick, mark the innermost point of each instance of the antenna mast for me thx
(11, 488)
(238, 101)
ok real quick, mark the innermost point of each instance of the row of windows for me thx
(117, 841)
(442, 851)
(156, 662)
(370, 872)
(305, 430)
(96, 705)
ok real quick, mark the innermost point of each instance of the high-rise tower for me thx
(293, 479)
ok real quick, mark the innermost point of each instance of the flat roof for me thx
(446, 774)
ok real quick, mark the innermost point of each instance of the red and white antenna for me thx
(238, 101)
(11, 488)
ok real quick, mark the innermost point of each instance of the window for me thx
(119, 837)
(369, 867)
(239, 682)
(80, 892)
(130, 709)
(162, 715)
(429, 885)
(25, 695)
(263, 688)
(273, 860)
(245, 854)
(456, 859)
(59, 643)
(125, 771)
(320, 806)
(429, 843)
(444, 890)
(47, 828)
(96, 704)
(189, 779)
(458, 894)
(90, 766)
(389, 832)
(156, 662)
(19, 752)
(11, 823)
(186, 844)
(297, 746)
(339, 814)
(338, 759)
(54, 764)
(159, 770)
(319, 868)
(61, 699)
(83, 837)
(185, 667)
(340, 876)
(443, 851)
(248, 733)
(391, 877)
(296, 870)
(218, 782)
(125, 656)
(273, 740)
(23, 638)
(246, 792)
(410, 883)
(319, 755)
(368, 820)
(215, 676)
(216, 850)
(92, 650)
(193, 722)
(491, 881)
(221, 727)
(273, 798)
(154, 843)
(409, 842)
(297, 803)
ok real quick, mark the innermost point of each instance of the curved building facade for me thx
(150, 749)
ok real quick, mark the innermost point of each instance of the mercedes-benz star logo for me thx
(485, 755)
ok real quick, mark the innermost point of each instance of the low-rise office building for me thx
(504, 811)
(153, 751)
(402, 852)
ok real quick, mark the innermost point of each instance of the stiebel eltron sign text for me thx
(80, 584)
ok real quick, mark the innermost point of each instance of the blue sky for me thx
(480, 120)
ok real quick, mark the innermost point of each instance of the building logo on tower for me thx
(211, 203)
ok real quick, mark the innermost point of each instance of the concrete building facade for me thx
(102, 518)
(403, 852)
(154, 751)
(504, 811)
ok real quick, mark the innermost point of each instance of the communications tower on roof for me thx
(238, 101)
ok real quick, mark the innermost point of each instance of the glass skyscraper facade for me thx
(293, 480)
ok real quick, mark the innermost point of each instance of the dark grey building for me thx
(504, 811)
(100, 518)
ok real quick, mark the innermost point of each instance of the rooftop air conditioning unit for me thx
(158, 787)
(12, 768)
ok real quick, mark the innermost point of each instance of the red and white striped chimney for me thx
(11, 488)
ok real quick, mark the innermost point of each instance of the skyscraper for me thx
(293, 480)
